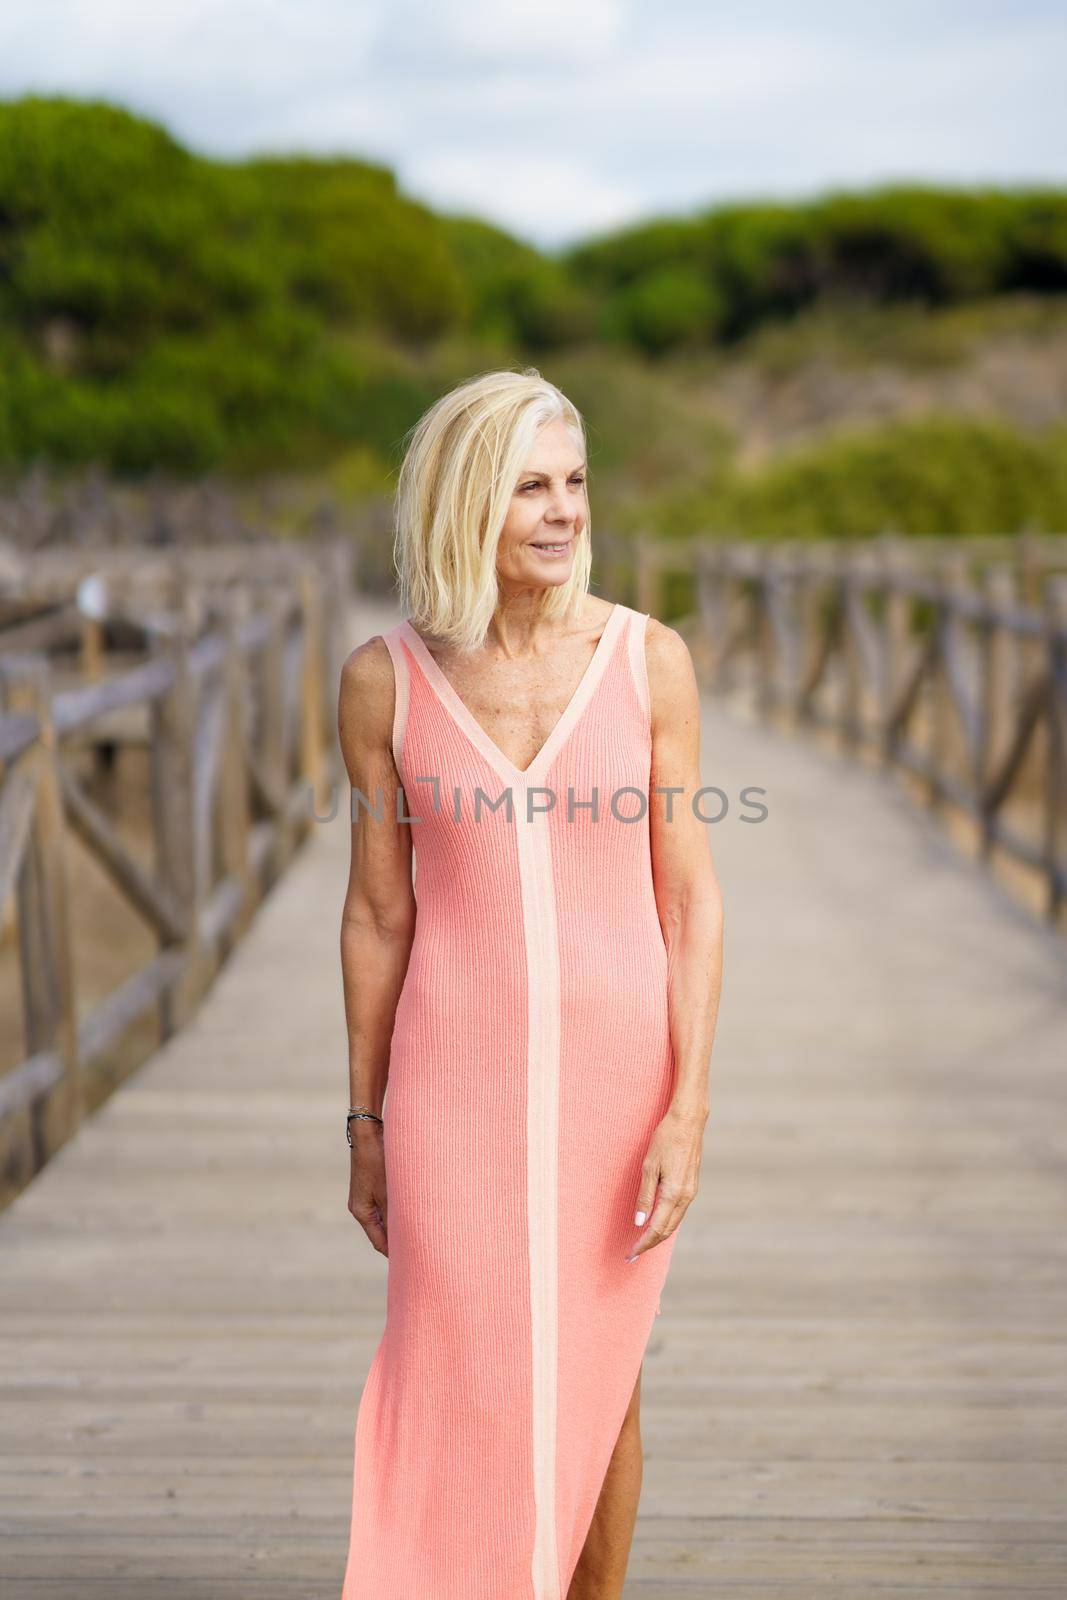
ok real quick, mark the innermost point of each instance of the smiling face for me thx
(547, 514)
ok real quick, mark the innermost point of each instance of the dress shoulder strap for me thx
(638, 622)
(401, 689)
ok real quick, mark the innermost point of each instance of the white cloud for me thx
(248, 49)
(555, 29)
(540, 197)
(554, 121)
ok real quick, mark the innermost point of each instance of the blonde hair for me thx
(461, 464)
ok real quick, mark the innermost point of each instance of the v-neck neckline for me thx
(476, 733)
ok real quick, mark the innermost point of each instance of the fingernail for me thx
(631, 1258)
(639, 1217)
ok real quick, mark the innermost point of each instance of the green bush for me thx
(667, 308)
(157, 307)
(111, 225)
(352, 249)
(514, 295)
(762, 261)
(936, 475)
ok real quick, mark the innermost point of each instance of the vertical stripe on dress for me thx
(542, 1123)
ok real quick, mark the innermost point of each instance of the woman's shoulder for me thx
(666, 642)
(366, 695)
(672, 680)
(366, 672)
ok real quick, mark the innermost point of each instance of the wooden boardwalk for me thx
(858, 1384)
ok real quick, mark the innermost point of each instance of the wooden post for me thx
(338, 567)
(276, 762)
(737, 624)
(707, 592)
(997, 691)
(939, 696)
(312, 743)
(851, 666)
(806, 604)
(1055, 825)
(956, 580)
(235, 818)
(334, 594)
(896, 639)
(173, 729)
(50, 1011)
(93, 648)
(1030, 567)
(763, 582)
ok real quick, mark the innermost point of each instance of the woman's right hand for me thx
(366, 1188)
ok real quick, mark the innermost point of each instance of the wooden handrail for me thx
(945, 659)
(239, 726)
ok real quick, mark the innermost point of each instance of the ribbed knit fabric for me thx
(530, 1062)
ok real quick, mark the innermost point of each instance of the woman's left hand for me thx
(671, 1167)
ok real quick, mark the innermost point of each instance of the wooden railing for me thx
(232, 693)
(943, 658)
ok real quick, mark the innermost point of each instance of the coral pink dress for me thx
(530, 1062)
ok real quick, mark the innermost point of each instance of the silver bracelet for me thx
(359, 1111)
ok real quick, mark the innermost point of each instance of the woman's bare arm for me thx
(378, 920)
(690, 906)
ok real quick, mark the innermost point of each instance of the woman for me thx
(541, 1001)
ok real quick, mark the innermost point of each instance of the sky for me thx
(558, 120)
